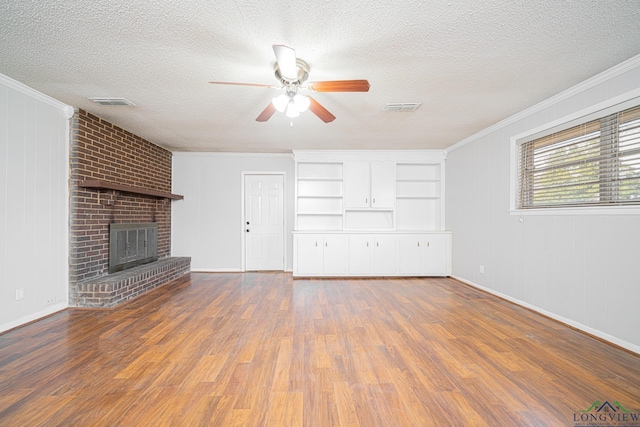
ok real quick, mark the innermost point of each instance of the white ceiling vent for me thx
(402, 106)
(112, 101)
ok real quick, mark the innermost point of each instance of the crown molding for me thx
(227, 154)
(26, 90)
(396, 155)
(592, 82)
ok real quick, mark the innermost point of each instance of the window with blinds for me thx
(594, 164)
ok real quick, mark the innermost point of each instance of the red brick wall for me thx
(99, 150)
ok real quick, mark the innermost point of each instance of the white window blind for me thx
(594, 164)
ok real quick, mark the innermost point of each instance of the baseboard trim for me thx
(33, 317)
(595, 333)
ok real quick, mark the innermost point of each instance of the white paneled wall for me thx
(34, 140)
(580, 269)
(207, 224)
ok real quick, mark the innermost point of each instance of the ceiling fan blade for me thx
(340, 86)
(320, 111)
(245, 84)
(286, 58)
(266, 113)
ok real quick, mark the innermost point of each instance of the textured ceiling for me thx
(471, 64)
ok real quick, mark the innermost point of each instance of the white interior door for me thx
(264, 222)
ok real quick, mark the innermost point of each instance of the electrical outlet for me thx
(49, 300)
(482, 269)
(19, 294)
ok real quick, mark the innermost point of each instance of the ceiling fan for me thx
(292, 73)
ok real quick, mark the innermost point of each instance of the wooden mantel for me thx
(106, 185)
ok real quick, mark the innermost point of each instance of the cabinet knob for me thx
(326, 244)
(247, 222)
(374, 200)
(418, 244)
(366, 200)
(247, 230)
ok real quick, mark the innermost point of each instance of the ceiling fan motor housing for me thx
(303, 73)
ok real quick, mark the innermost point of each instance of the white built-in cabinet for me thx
(370, 189)
(370, 213)
(368, 254)
(372, 255)
(424, 254)
(370, 185)
(320, 254)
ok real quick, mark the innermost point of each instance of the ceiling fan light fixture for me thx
(301, 102)
(292, 110)
(280, 102)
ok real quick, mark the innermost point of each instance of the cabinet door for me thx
(384, 255)
(383, 184)
(335, 254)
(308, 253)
(436, 255)
(357, 184)
(360, 254)
(410, 247)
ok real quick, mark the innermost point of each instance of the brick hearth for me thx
(109, 290)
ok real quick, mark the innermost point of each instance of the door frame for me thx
(244, 213)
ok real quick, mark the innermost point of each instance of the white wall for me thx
(207, 224)
(580, 269)
(34, 141)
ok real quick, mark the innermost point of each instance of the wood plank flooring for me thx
(261, 349)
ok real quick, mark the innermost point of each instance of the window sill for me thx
(591, 210)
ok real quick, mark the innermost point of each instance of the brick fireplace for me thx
(116, 178)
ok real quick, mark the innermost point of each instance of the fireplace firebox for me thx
(131, 245)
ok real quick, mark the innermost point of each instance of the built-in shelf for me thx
(368, 209)
(319, 213)
(322, 197)
(106, 185)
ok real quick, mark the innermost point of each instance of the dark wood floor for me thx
(262, 349)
